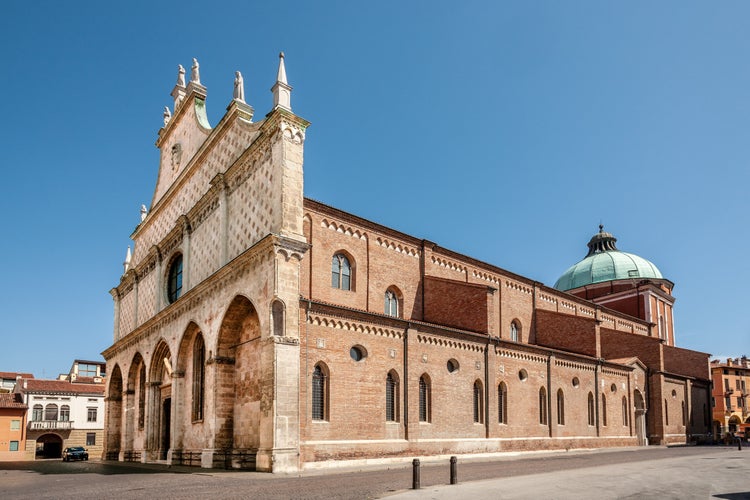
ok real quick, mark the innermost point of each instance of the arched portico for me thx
(49, 446)
(159, 407)
(113, 426)
(189, 392)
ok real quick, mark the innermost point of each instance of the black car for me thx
(75, 453)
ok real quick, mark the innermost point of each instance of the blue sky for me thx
(503, 130)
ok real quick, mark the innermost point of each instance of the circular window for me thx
(357, 353)
(174, 279)
(523, 375)
(613, 388)
(576, 382)
(452, 365)
(674, 393)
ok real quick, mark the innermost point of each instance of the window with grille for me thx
(560, 407)
(591, 410)
(424, 399)
(341, 272)
(502, 403)
(391, 398)
(319, 394)
(199, 376)
(478, 403)
(542, 406)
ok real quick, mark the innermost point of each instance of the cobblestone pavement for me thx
(649, 469)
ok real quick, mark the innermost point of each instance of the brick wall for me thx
(456, 304)
(568, 333)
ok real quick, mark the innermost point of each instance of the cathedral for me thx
(255, 328)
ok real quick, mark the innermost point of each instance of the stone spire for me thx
(282, 92)
(601, 242)
(126, 264)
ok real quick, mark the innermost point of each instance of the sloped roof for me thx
(12, 400)
(14, 375)
(60, 387)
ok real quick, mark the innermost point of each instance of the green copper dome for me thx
(605, 262)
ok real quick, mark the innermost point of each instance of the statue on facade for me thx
(239, 87)
(180, 76)
(195, 72)
(144, 212)
(167, 115)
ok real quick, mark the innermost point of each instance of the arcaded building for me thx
(256, 328)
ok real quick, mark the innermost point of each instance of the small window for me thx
(391, 397)
(452, 365)
(174, 280)
(604, 410)
(391, 303)
(502, 403)
(13, 446)
(674, 393)
(576, 382)
(478, 403)
(91, 415)
(319, 393)
(90, 439)
(591, 410)
(357, 353)
(666, 412)
(514, 331)
(424, 399)
(624, 411)
(560, 407)
(15, 425)
(341, 272)
(523, 375)
(613, 388)
(542, 406)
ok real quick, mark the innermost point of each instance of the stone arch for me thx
(135, 404)
(49, 446)
(239, 378)
(189, 386)
(113, 426)
(159, 404)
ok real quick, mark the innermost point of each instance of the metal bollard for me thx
(454, 470)
(415, 474)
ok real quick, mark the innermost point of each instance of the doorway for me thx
(166, 418)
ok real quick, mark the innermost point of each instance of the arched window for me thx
(666, 412)
(341, 272)
(277, 316)
(624, 411)
(199, 376)
(542, 406)
(684, 414)
(38, 413)
(64, 413)
(560, 407)
(174, 279)
(319, 393)
(604, 411)
(502, 403)
(424, 399)
(591, 412)
(142, 396)
(478, 403)
(514, 331)
(50, 412)
(391, 303)
(391, 397)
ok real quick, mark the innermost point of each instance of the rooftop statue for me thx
(239, 87)
(167, 115)
(195, 75)
(180, 76)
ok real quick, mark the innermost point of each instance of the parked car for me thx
(75, 453)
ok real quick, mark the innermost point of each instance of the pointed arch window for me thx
(391, 397)
(424, 399)
(341, 272)
(560, 407)
(542, 406)
(591, 412)
(514, 331)
(391, 303)
(142, 396)
(478, 403)
(319, 393)
(199, 376)
(502, 403)
(604, 410)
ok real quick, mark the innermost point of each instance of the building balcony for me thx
(49, 425)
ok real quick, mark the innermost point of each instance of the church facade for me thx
(256, 328)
